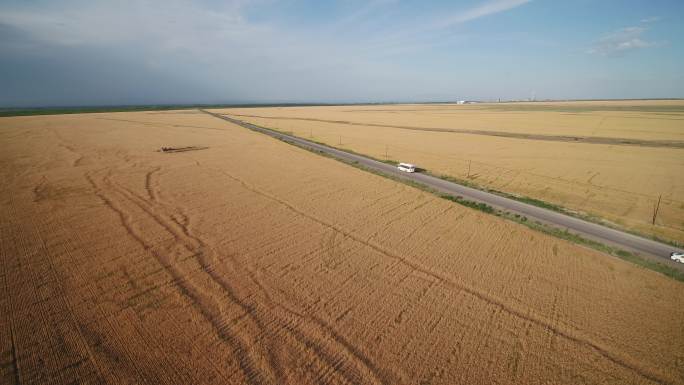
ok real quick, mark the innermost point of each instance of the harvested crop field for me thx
(608, 160)
(242, 259)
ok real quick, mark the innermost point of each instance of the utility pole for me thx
(469, 162)
(340, 140)
(656, 208)
(386, 157)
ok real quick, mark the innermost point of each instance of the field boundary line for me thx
(501, 134)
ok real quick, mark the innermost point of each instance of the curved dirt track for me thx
(252, 261)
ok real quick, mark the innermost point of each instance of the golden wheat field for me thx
(609, 160)
(250, 261)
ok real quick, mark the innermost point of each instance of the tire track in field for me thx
(200, 302)
(55, 311)
(398, 217)
(574, 336)
(197, 251)
(194, 244)
(72, 316)
(161, 125)
(334, 363)
(61, 142)
(84, 334)
(424, 223)
(98, 342)
(15, 355)
(501, 134)
(151, 193)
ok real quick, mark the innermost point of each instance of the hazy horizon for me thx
(97, 53)
(247, 104)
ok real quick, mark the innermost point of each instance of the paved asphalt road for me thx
(577, 226)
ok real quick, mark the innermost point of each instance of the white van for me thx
(406, 167)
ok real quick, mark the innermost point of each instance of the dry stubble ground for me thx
(256, 262)
(527, 149)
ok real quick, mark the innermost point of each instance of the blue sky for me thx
(95, 52)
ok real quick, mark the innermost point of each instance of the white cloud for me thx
(214, 45)
(104, 22)
(621, 41)
(436, 30)
(184, 25)
(219, 47)
(487, 9)
(651, 19)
